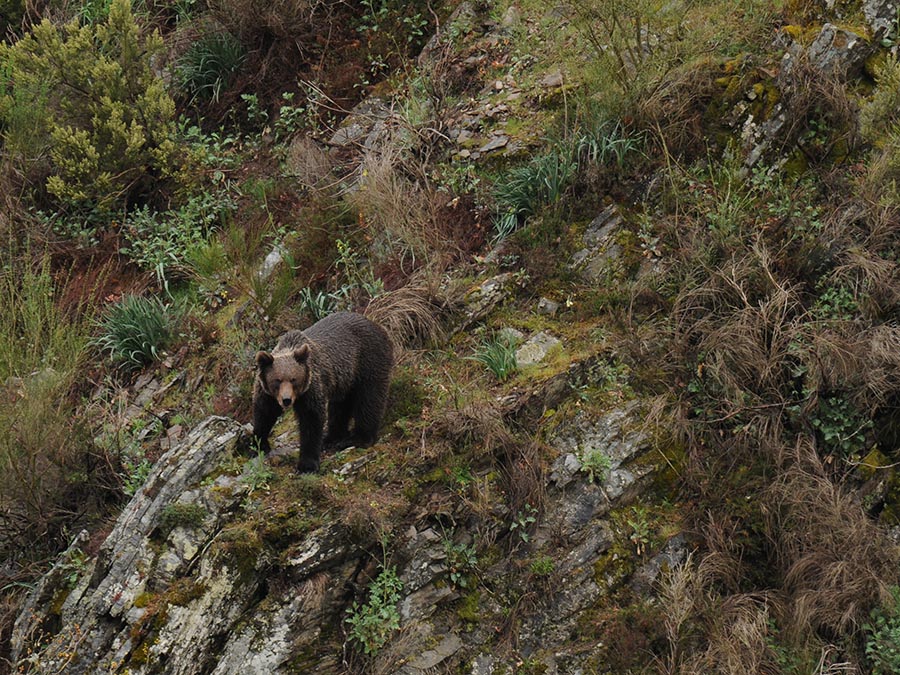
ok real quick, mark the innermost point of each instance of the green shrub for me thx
(840, 426)
(595, 463)
(50, 471)
(95, 109)
(883, 640)
(372, 623)
(135, 330)
(156, 241)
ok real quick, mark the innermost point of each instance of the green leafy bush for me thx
(883, 640)
(595, 463)
(156, 241)
(372, 623)
(135, 330)
(95, 110)
(841, 427)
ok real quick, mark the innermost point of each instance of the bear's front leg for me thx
(266, 412)
(312, 431)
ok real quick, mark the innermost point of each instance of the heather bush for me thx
(85, 109)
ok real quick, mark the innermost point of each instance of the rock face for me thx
(174, 590)
(157, 598)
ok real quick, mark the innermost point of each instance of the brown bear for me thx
(335, 371)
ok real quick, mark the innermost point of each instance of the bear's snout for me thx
(285, 395)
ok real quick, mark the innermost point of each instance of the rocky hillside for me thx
(640, 265)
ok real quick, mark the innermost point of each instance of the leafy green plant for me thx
(499, 355)
(842, 428)
(393, 30)
(356, 271)
(372, 623)
(94, 11)
(318, 304)
(157, 241)
(523, 520)
(883, 636)
(135, 330)
(206, 68)
(641, 530)
(542, 566)
(256, 475)
(462, 559)
(835, 303)
(135, 475)
(595, 463)
(96, 104)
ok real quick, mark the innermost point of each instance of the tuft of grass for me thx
(51, 473)
(524, 190)
(499, 356)
(206, 68)
(135, 331)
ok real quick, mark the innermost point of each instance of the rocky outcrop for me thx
(177, 587)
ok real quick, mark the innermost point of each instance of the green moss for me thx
(468, 608)
(890, 513)
(614, 567)
(872, 463)
(184, 591)
(143, 600)
(181, 515)
(407, 397)
(796, 165)
(241, 547)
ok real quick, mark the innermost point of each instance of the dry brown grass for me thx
(811, 95)
(397, 201)
(411, 314)
(837, 563)
(712, 633)
(370, 515)
(673, 108)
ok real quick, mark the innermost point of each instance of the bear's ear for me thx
(264, 359)
(301, 353)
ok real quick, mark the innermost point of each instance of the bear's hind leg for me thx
(339, 414)
(370, 402)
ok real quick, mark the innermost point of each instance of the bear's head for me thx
(284, 375)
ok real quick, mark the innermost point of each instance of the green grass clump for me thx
(206, 68)
(499, 355)
(51, 474)
(136, 330)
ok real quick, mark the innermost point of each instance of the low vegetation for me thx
(171, 205)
